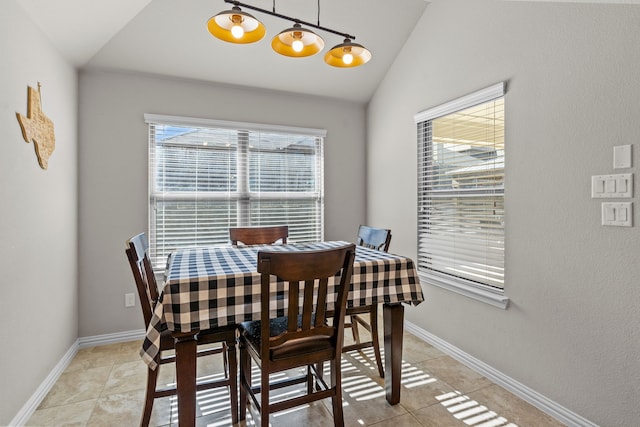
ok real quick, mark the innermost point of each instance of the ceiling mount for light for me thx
(236, 26)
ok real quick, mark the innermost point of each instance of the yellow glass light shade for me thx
(308, 43)
(347, 54)
(247, 28)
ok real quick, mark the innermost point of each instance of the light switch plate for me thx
(622, 156)
(612, 186)
(617, 214)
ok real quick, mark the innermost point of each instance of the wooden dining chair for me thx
(303, 338)
(378, 239)
(258, 235)
(137, 253)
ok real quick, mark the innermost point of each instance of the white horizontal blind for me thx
(205, 177)
(461, 191)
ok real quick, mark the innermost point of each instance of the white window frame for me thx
(468, 288)
(242, 195)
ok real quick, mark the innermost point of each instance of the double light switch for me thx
(619, 214)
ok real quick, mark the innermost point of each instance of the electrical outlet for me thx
(129, 300)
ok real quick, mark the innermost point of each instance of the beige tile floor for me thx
(104, 386)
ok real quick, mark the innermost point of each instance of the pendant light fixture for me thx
(347, 54)
(236, 26)
(297, 42)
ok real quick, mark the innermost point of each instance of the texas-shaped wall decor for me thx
(37, 127)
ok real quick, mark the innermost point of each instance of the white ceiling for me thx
(169, 37)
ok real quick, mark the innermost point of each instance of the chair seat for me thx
(209, 336)
(250, 331)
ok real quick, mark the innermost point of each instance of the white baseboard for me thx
(22, 417)
(105, 339)
(546, 405)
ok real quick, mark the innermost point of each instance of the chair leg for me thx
(233, 377)
(354, 329)
(152, 379)
(225, 358)
(310, 380)
(264, 398)
(245, 381)
(319, 374)
(373, 314)
(336, 400)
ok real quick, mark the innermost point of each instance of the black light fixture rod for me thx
(288, 18)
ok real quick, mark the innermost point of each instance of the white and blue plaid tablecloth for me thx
(212, 286)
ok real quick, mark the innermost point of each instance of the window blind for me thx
(461, 190)
(206, 176)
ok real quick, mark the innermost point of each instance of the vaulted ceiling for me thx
(170, 38)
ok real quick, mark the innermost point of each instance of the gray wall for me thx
(113, 170)
(38, 307)
(571, 332)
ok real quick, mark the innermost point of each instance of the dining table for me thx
(209, 286)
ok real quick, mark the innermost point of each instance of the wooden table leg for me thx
(186, 346)
(393, 317)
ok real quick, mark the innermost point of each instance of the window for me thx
(461, 195)
(206, 176)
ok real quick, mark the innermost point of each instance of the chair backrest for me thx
(259, 235)
(374, 238)
(312, 270)
(137, 252)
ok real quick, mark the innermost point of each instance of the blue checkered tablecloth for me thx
(212, 286)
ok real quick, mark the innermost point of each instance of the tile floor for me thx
(104, 386)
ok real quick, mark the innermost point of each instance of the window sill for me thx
(487, 296)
